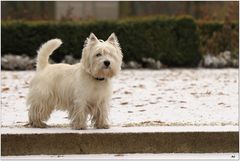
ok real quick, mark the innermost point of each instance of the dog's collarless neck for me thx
(100, 79)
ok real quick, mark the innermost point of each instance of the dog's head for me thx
(102, 59)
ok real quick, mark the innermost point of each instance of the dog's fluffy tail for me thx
(45, 51)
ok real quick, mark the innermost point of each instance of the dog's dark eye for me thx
(98, 54)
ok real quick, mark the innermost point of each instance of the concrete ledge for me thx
(148, 156)
(122, 140)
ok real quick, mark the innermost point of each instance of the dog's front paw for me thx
(103, 126)
(79, 127)
(37, 124)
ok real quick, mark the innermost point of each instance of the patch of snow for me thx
(169, 97)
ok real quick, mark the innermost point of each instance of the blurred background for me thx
(60, 10)
(171, 34)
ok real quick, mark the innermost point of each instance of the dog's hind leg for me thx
(39, 111)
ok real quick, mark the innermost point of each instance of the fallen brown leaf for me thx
(183, 107)
(221, 93)
(124, 103)
(5, 89)
(127, 92)
(183, 102)
(152, 102)
(208, 92)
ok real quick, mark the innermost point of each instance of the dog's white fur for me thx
(83, 89)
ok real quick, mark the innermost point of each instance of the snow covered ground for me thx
(169, 97)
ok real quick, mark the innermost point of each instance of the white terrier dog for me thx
(82, 89)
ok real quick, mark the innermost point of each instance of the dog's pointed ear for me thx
(92, 39)
(113, 39)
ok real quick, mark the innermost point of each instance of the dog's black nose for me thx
(106, 63)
